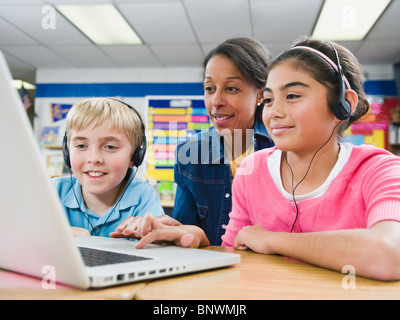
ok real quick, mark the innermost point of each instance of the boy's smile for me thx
(95, 173)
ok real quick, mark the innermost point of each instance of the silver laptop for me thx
(35, 237)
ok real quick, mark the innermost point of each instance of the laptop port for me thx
(120, 277)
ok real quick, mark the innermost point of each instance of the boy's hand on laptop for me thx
(80, 232)
(162, 229)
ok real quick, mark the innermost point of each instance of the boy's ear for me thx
(131, 164)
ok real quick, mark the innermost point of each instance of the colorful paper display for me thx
(171, 121)
(373, 128)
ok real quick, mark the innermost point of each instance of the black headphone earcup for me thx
(140, 152)
(342, 109)
(65, 151)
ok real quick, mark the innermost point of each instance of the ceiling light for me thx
(348, 20)
(103, 24)
(19, 83)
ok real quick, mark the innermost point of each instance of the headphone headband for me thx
(327, 59)
(130, 107)
(342, 108)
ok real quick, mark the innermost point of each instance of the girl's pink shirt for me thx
(365, 192)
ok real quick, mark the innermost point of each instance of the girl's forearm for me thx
(364, 249)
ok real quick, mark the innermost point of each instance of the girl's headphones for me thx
(138, 155)
(342, 108)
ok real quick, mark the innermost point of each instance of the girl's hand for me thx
(255, 238)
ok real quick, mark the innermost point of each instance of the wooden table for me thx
(268, 277)
(256, 277)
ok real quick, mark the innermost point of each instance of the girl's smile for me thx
(279, 129)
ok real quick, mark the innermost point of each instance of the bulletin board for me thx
(171, 119)
(373, 128)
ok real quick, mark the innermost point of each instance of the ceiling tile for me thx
(131, 56)
(216, 21)
(38, 56)
(11, 36)
(84, 56)
(388, 26)
(379, 51)
(277, 20)
(20, 69)
(21, 2)
(16, 63)
(182, 55)
(71, 2)
(145, 1)
(159, 23)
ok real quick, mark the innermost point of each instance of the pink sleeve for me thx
(382, 191)
(239, 217)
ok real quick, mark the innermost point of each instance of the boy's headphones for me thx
(342, 108)
(138, 155)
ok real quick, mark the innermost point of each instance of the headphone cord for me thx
(308, 169)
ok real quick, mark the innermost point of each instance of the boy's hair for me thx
(324, 73)
(96, 111)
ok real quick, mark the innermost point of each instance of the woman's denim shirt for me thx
(203, 177)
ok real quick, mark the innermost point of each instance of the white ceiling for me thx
(176, 33)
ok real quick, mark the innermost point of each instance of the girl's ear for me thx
(131, 164)
(352, 97)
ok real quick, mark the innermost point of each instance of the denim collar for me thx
(261, 131)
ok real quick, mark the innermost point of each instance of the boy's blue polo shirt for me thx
(138, 199)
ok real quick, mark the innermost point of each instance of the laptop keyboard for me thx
(94, 257)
